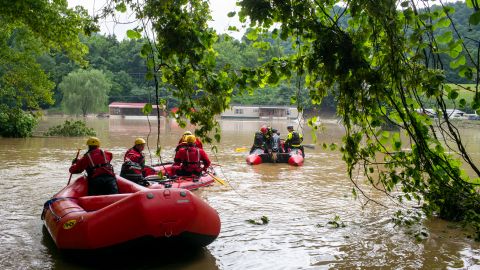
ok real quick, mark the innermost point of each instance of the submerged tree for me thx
(380, 59)
(85, 91)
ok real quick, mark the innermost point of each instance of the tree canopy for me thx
(380, 60)
(85, 91)
(29, 29)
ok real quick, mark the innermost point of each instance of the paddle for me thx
(243, 149)
(218, 180)
(161, 164)
(70, 178)
(311, 146)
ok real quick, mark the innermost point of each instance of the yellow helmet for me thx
(93, 141)
(139, 141)
(190, 139)
(188, 132)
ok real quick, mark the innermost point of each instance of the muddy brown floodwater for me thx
(299, 202)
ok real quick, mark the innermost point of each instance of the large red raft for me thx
(77, 221)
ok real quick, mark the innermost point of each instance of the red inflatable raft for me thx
(255, 157)
(258, 156)
(295, 157)
(77, 221)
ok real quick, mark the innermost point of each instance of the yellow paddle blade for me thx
(241, 149)
(220, 181)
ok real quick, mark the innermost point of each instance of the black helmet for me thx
(289, 127)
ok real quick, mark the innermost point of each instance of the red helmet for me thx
(263, 130)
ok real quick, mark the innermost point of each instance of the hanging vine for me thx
(382, 60)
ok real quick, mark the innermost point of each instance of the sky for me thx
(220, 9)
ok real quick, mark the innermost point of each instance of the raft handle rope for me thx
(48, 205)
(230, 185)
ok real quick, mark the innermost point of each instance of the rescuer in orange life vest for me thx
(188, 160)
(101, 178)
(133, 167)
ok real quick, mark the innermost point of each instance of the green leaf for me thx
(252, 35)
(470, 3)
(466, 72)
(475, 181)
(439, 149)
(147, 109)
(445, 37)
(121, 7)
(333, 147)
(474, 18)
(132, 34)
(397, 144)
(452, 94)
(145, 51)
(458, 62)
(231, 14)
(455, 49)
(293, 99)
(443, 22)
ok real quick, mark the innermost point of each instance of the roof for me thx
(262, 106)
(127, 105)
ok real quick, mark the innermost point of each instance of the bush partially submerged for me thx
(16, 123)
(71, 129)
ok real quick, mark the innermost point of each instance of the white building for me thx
(261, 112)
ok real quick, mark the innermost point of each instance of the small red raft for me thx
(77, 221)
(258, 156)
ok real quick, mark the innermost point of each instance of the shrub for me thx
(71, 129)
(16, 123)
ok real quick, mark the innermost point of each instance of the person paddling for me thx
(96, 162)
(258, 142)
(189, 160)
(294, 140)
(133, 167)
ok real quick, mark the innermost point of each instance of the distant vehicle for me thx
(473, 116)
(428, 112)
(456, 114)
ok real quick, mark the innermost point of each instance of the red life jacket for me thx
(96, 162)
(135, 156)
(133, 165)
(191, 158)
(99, 163)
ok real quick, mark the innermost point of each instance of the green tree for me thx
(379, 66)
(85, 91)
(28, 29)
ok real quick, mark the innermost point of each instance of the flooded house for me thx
(261, 112)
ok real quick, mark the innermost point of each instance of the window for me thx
(238, 111)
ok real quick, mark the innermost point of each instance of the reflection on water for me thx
(299, 201)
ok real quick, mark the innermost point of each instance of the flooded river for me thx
(298, 201)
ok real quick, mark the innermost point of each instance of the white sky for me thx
(220, 9)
